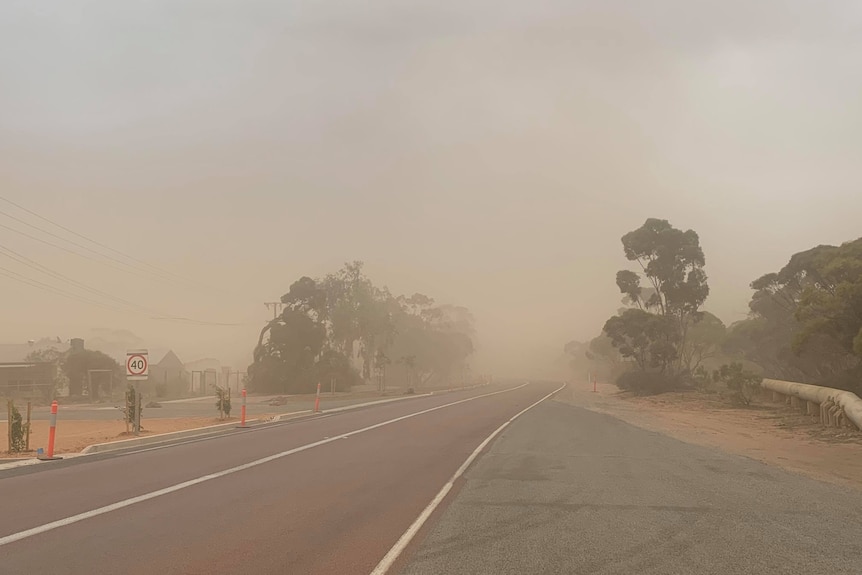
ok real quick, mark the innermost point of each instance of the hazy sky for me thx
(487, 153)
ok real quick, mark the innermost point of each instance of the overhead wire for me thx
(49, 288)
(61, 238)
(24, 260)
(69, 251)
(78, 297)
(103, 259)
(29, 262)
(161, 271)
(109, 263)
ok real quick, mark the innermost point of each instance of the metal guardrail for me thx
(833, 404)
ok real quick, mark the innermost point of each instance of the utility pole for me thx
(276, 307)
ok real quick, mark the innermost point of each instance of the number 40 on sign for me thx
(137, 364)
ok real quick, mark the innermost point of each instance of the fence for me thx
(833, 407)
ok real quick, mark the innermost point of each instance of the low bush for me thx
(743, 384)
(646, 382)
(18, 432)
(223, 401)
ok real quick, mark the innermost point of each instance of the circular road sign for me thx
(136, 364)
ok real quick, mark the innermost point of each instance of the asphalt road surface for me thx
(561, 490)
(333, 497)
(565, 490)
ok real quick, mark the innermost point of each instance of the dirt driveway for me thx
(772, 433)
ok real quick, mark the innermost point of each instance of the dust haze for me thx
(488, 154)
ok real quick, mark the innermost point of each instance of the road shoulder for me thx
(567, 490)
(769, 433)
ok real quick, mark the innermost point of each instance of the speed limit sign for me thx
(137, 364)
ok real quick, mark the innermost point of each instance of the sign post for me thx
(137, 369)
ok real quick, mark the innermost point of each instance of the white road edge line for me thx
(411, 532)
(158, 493)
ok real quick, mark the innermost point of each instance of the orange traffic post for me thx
(594, 384)
(52, 434)
(242, 411)
(317, 399)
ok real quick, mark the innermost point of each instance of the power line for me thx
(41, 285)
(22, 259)
(132, 270)
(67, 250)
(109, 261)
(156, 315)
(61, 238)
(161, 271)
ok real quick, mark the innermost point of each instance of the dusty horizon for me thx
(489, 155)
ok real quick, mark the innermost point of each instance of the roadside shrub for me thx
(702, 380)
(18, 431)
(222, 401)
(161, 389)
(646, 382)
(743, 384)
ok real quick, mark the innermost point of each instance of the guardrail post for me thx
(833, 407)
(835, 412)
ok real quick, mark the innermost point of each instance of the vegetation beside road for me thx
(326, 323)
(804, 324)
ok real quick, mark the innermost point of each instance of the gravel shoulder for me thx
(768, 432)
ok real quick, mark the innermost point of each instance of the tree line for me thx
(341, 329)
(73, 370)
(804, 322)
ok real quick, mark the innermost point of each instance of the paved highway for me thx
(566, 490)
(322, 495)
(561, 490)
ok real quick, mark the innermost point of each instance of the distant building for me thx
(169, 377)
(205, 375)
(27, 379)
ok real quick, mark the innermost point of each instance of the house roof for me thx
(170, 361)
